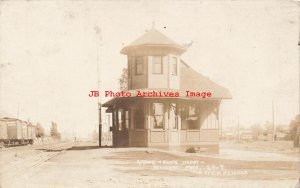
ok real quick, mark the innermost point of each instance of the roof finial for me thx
(153, 24)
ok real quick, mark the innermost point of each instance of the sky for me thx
(48, 55)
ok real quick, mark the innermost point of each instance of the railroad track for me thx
(34, 146)
(12, 148)
(24, 167)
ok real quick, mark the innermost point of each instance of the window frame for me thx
(160, 115)
(141, 63)
(154, 63)
(174, 108)
(127, 119)
(194, 111)
(120, 119)
(174, 63)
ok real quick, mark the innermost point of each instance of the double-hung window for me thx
(157, 65)
(158, 115)
(139, 68)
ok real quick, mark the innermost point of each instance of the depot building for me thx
(181, 122)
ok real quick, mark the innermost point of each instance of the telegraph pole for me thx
(100, 124)
(238, 121)
(99, 41)
(220, 125)
(273, 132)
(298, 128)
(299, 71)
(298, 3)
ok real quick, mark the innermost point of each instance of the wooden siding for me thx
(138, 137)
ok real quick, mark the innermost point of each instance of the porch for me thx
(165, 123)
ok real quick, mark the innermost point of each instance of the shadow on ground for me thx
(50, 150)
(87, 147)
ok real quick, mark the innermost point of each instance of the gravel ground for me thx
(86, 165)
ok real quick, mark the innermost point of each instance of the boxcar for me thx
(31, 133)
(16, 132)
(3, 132)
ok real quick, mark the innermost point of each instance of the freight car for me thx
(16, 132)
(3, 131)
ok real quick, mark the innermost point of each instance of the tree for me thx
(256, 130)
(295, 130)
(268, 127)
(39, 131)
(123, 80)
(54, 131)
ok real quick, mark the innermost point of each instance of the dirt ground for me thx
(83, 164)
(269, 146)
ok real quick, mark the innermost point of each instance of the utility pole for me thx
(18, 112)
(99, 41)
(220, 126)
(273, 122)
(299, 70)
(298, 128)
(238, 121)
(100, 124)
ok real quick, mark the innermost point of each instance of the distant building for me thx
(246, 135)
(155, 66)
(265, 136)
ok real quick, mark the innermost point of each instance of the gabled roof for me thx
(191, 80)
(153, 38)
